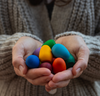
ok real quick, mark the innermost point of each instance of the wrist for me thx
(61, 39)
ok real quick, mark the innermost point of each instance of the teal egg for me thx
(70, 61)
(60, 50)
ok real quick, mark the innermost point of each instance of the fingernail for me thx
(78, 71)
(51, 75)
(21, 69)
(53, 91)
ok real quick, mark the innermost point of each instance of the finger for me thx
(51, 85)
(41, 80)
(18, 72)
(81, 64)
(62, 76)
(47, 87)
(19, 63)
(17, 59)
(38, 72)
(78, 74)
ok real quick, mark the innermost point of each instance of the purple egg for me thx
(46, 65)
(36, 52)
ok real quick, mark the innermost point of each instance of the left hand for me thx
(77, 47)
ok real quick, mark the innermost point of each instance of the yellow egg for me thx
(45, 54)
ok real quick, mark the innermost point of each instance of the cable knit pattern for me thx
(18, 18)
(93, 43)
(6, 44)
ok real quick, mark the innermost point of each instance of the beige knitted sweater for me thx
(18, 18)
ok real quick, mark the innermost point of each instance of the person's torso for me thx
(19, 16)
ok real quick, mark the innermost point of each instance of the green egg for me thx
(50, 43)
(70, 61)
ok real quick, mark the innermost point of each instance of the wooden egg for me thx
(53, 59)
(36, 52)
(61, 51)
(46, 65)
(32, 61)
(50, 43)
(70, 61)
(45, 54)
(58, 65)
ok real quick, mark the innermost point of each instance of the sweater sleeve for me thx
(6, 44)
(92, 72)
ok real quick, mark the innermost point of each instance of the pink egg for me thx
(46, 65)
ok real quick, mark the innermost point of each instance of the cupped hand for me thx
(24, 47)
(77, 47)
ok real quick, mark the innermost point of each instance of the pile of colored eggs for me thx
(50, 55)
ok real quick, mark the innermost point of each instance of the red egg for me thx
(46, 65)
(58, 65)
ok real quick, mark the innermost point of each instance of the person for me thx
(24, 27)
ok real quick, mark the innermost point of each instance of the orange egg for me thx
(58, 65)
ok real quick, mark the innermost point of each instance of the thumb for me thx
(18, 59)
(81, 64)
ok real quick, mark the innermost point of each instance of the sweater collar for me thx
(60, 17)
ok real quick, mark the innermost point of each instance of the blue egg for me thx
(60, 50)
(32, 61)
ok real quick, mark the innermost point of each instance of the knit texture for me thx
(18, 18)
(92, 72)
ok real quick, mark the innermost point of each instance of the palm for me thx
(28, 46)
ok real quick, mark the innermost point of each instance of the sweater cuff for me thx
(6, 43)
(69, 33)
(19, 35)
(92, 72)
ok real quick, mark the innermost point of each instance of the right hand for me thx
(24, 47)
